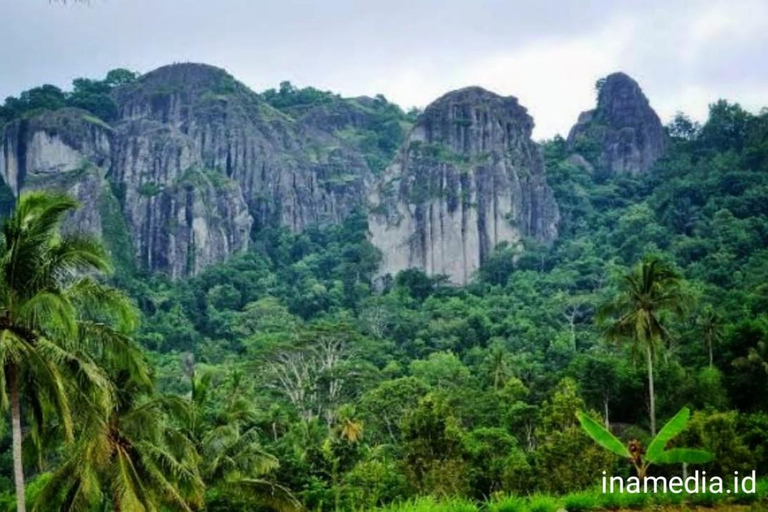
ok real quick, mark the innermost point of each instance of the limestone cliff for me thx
(468, 178)
(66, 151)
(194, 162)
(622, 134)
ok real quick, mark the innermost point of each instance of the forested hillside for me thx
(297, 379)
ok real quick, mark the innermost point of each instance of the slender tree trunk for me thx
(650, 390)
(18, 467)
(710, 352)
(605, 405)
(573, 334)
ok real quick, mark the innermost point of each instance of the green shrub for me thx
(542, 503)
(580, 501)
(507, 504)
(616, 500)
(149, 189)
(705, 499)
(429, 504)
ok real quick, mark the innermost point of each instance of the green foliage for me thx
(288, 96)
(90, 95)
(149, 189)
(581, 501)
(116, 237)
(61, 329)
(423, 396)
(656, 452)
(672, 429)
(602, 436)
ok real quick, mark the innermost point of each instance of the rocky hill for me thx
(468, 178)
(191, 163)
(622, 134)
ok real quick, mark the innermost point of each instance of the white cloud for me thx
(685, 54)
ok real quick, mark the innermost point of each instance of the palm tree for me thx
(233, 459)
(711, 325)
(132, 459)
(498, 365)
(638, 312)
(54, 317)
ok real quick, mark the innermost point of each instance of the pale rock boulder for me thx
(65, 151)
(468, 178)
(623, 134)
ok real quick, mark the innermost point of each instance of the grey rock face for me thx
(66, 151)
(199, 151)
(623, 134)
(194, 163)
(468, 178)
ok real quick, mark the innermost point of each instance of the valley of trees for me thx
(284, 379)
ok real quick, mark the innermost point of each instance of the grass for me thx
(588, 500)
(429, 504)
(508, 504)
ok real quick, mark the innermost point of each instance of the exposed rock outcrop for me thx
(468, 178)
(622, 134)
(66, 151)
(194, 162)
(198, 150)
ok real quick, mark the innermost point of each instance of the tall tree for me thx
(638, 312)
(233, 459)
(133, 459)
(54, 316)
(711, 325)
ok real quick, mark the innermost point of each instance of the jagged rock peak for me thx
(473, 120)
(176, 93)
(193, 163)
(188, 75)
(623, 133)
(468, 178)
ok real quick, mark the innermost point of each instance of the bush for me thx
(507, 504)
(542, 503)
(430, 504)
(580, 501)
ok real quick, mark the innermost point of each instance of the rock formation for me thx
(622, 134)
(194, 163)
(66, 150)
(468, 178)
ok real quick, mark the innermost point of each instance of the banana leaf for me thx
(602, 436)
(673, 427)
(684, 456)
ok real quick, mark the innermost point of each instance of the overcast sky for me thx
(685, 54)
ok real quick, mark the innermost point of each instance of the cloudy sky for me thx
(685, 54)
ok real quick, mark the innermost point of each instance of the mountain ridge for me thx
(196, 162)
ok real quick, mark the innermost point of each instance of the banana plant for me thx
(656, 453)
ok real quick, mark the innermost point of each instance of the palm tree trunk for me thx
(607, 422)
(650, 390)
(18, 467)
(710, 352)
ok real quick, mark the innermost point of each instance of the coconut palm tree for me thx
(498, 366)
(234, 461)
(638, 312)
(131, 460)
(55, 317)
(711, 325)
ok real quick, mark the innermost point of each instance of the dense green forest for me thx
(284, 378)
